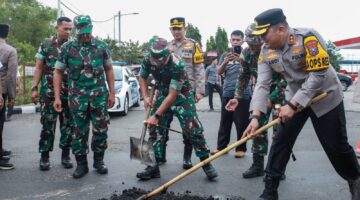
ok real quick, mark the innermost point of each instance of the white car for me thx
(127, 90)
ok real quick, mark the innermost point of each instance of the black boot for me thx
(149, 173)
(82, 166)
(187, 164)
(354, 186)
(163, 160)
(65, 158)
(99, 163)
(270, 191)
(44, 161)
(6, 152)
(256, 169)
(4, 164)
(209, 170)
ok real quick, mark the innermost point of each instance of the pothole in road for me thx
(134, 193)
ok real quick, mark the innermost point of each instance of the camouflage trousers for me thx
(260, 143)
(48, 120)
(100, 119)
(184, 109)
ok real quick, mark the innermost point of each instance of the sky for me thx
(334, 20)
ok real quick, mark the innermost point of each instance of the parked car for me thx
(345, 80)
(127, 90)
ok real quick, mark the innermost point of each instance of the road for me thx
(310, 177)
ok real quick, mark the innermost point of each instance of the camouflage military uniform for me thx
(86, 63)
(48, 52)
(277, 96)
(196, 73)
(174, 76)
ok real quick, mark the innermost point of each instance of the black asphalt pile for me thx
(134, 193)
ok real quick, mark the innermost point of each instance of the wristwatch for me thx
(292, 106)
(34, 88)
(254, 117)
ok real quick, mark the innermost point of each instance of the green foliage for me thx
(193, 33)
(26, 53)
(130, 52)
(334, 54)
(24, 96)
(211, 44)
(30, 22)
(221, 40)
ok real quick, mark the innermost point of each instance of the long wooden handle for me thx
(222, 152)
(148, 110)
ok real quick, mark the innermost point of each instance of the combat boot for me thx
(65, 159)
(99, 163)
(149, 173)
(82, 166)
(209, 170)
(163, 160)
(6, 152)
(44, 161)
(5, 165)
(354, 186)
(187, 164)
(270, 191)
(256, 169)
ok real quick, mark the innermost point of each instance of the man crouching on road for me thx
(173, 97)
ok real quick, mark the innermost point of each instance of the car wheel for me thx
(141, 96)
(137, 104)
(344, 86)
(126, 106)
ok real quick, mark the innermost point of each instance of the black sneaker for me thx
(5, 165)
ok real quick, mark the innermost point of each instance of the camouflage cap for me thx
(82, 24)
(158, 50)
(250, 38)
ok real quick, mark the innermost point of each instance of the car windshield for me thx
(118, 73)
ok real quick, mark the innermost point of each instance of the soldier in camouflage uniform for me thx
(190, 51)
(45, 62)
(86, 59)
(248, 74)
(174, 97)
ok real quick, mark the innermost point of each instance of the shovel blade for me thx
(144, 153)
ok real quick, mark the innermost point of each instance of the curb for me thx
(26, 110)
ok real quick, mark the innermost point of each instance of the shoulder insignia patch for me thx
(316, 56)
(198, 55)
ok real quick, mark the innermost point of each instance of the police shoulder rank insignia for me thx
(261, 58)
(291, 39)
(198, 55)
(316, 56)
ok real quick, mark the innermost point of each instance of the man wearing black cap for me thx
(300, 56)
(8, 71)
(190, 51)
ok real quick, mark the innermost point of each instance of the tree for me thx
(334, 54)
(30, 22)
(221, 41)
(211, 44)
(193, 33)
(130, 52)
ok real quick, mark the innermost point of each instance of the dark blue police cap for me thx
(268, 18)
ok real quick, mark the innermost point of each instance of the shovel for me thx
(140, 149)
(222, 152)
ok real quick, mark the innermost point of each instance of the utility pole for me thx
(59, 9)
(114, 26)
(119, 27)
